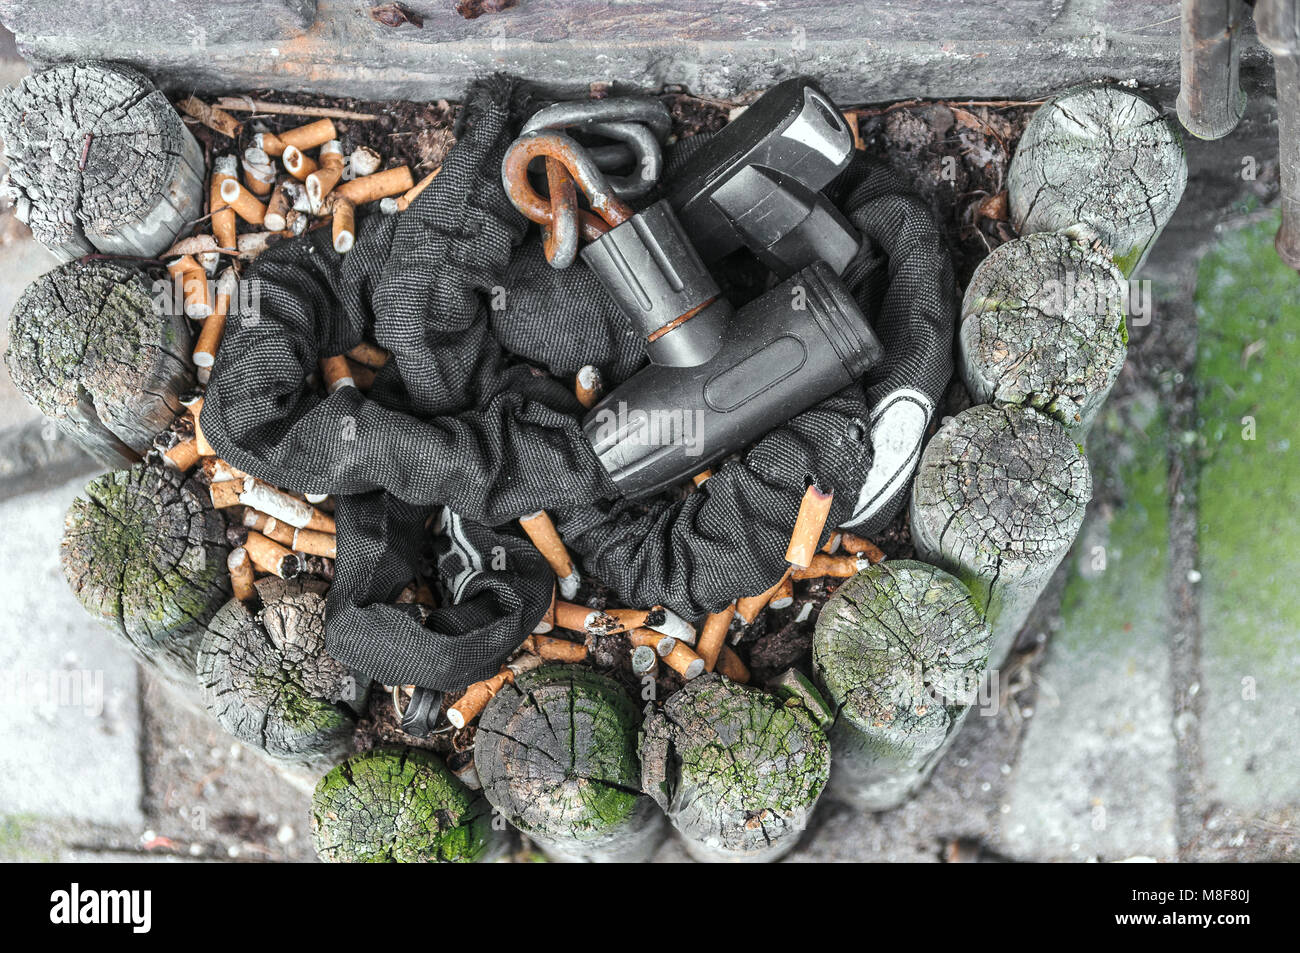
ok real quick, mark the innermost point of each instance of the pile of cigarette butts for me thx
(285, 534)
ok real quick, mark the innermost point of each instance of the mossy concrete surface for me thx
(1248, 366)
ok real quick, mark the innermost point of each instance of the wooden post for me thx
(737, 769)
(556, 753)
(998, 500)
(100, 161)
(1043, 325)
(902, 651)
(146, 555)
(88, 348)
(268, 680)
(1210, 99)
(400, 805)
(1104, 158)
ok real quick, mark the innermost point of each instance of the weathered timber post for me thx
(146, 555)
(1101, 157)
(88, 348)
(998, 500)
(100, 161)
(1278, 25)
(556, 752)
(902, 651)
(400, 805)
(268, 680)
(1043, 325)
(737, 770)
(1210, 99)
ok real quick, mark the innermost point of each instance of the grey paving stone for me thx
(70, 744)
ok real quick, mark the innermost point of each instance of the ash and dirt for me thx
(956, 157)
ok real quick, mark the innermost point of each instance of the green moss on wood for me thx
(398, 806)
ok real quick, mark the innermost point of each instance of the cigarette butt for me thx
(214, 325)
(839, 566)
(223, 217)
(555, 650)
(214, 117)
(362, 375)
(364, 161)
(412, 193)
(783, 598)
(749, 607)
(542, 532)
(471, 704)
(269, 143)
(298, 163)
(241, 574)
(326, 176)
(219, 471)
(315, 498)
(576, 618)
(259, 174)
(645, 660)
(589, 386)
(310, 135)
(808, 526)
(524, 662)
(676, 656)
(295, 222)
(371, 355)
(851, 120)
(225, 494)
(859, 546)
(194, 405)
(277, 207)
(670, 623)
(315, 543)
(288, 509)
(730, 665)
(344, 225)
(625, 620)
(371, 188)
(714, 636)
(269, 556)
(270, 527)
(547, 622)
(244, 202)
(194, 285)
(701, 477)
(336, 372)
(183, 456)
(833, 544)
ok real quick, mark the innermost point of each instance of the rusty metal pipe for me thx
(1210, 100)
(1278, 24)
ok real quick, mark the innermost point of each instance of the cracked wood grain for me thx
(998, 500)
(267, 679)
(556, 752)
(99, 161)
(1104, 158)
(902, 651)
(737, 770)
(146, 555)
(400, 805)
(1043, 325)
(89, 349)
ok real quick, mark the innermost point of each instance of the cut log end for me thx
(89, 349)
(146, 555)
(556, 753)
(100, 160)
(399, 806)
(737, 770)
(1101, 156)
(1043, 325)
(268, 680)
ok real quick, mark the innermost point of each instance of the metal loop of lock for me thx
(639, 123)
(562, 222)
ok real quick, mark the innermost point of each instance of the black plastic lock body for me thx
(735, 190)
(654, 273)
(796, 345)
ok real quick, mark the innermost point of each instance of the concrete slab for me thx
(1095, 777)
(69, 695)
